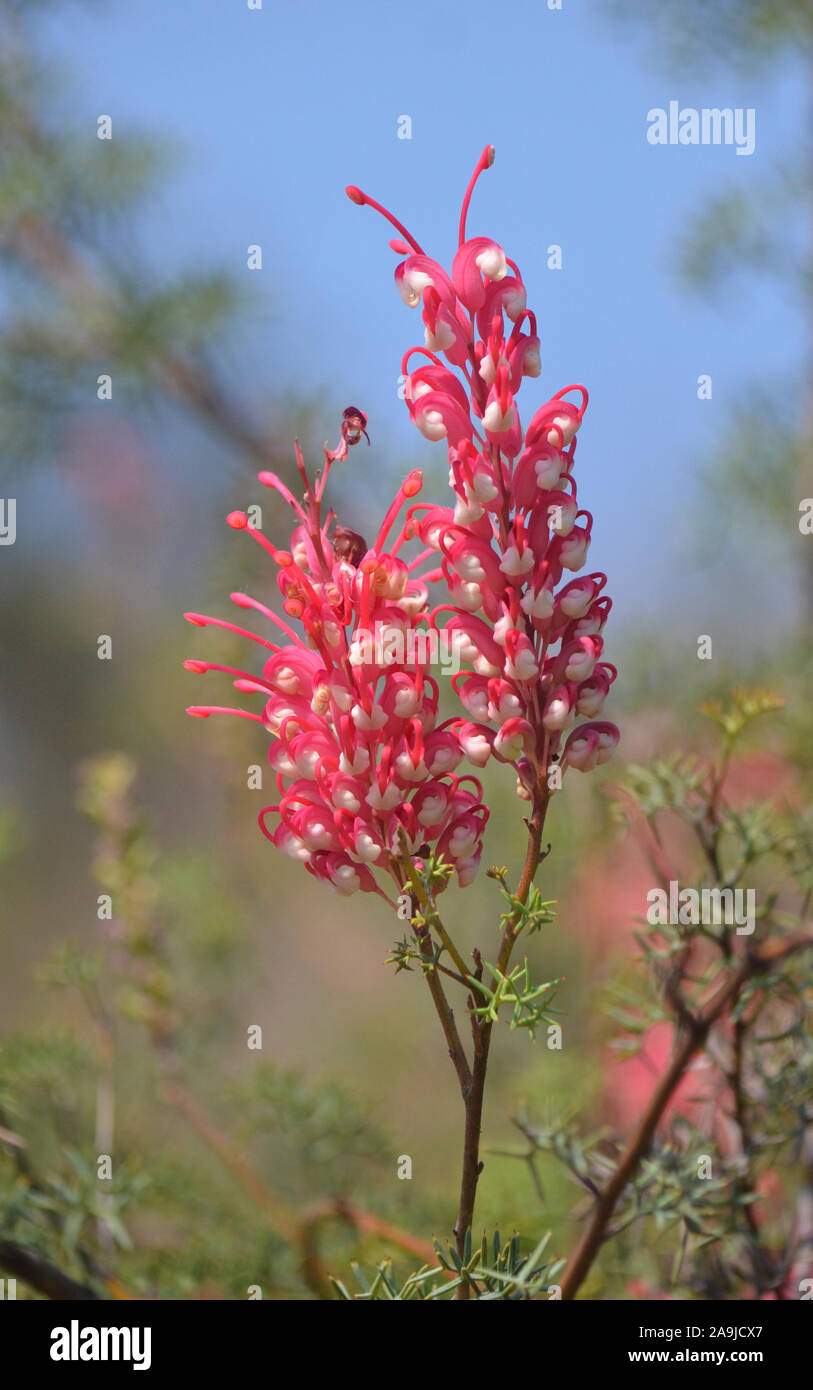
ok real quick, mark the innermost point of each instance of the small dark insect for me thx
(348, 545)
(354, 425)
(424, 850)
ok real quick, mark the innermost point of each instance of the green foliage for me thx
(401, 953)
(752, 33)
(666, 784)
(527, 916)
(734, 715)
(735, 231)
(683, 1181)
(320, 1131)
(703, 1177)
(529, 1003)
(172, 1221)
(83, 304)
(495, 1272)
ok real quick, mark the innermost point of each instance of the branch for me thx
(761, 1267)
(219, 1142)
(446, 1015)
(40, 245)
(693, 1037)
(411, 883)
(43, 1276)
(363, 1223)
(481, 1033)
(533, 858)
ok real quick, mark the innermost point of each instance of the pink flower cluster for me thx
(365, 772)
(534, 643)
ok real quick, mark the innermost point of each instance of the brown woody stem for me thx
(692, 1036)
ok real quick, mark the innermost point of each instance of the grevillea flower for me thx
(365, 773)
(515, 532)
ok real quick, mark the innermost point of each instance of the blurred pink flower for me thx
(702, 1096)
(760, 775)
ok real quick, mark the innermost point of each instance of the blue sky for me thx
(276, 110)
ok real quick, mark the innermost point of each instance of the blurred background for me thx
(127, 257)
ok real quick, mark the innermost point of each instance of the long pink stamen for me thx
(240, 522)
(407, 533)
(277, 485)
(300, 463)
(303, 580)
(322, 482)
(203, 712)
(200, 667)
(199, 620)
(280, 557)
(409, 488)
(425, 352)
(252, 687)
(531, 317)
(419, 559)
(362, 200)
(246, 601)
(560, 395)
(484, 162)
(416, 752)
(261, 821)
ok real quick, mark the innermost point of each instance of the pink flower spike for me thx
(365, 769)
(354, 732)
(514, 527)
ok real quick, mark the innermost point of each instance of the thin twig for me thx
(43, 1276)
